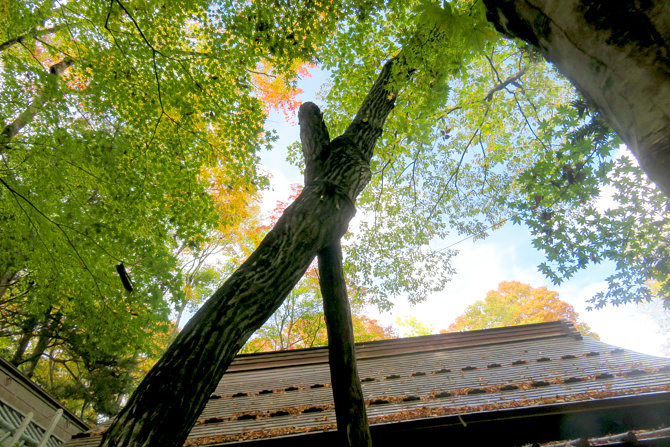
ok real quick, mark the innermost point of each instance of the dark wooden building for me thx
(505, 387)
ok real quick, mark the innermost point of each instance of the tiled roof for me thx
(274, 394)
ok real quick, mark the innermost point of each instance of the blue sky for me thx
(506, 255)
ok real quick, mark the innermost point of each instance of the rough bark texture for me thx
(616, 53)
(168, 401)
(352, 419)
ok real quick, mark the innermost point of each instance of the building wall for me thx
(22, 394)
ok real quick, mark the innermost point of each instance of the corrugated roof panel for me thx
(474, 372)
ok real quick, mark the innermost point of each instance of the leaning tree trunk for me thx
(352, 420)
(616, 53)
(168, 401)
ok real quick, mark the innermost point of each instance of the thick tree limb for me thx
(168, 401)
(617, 55)
(32, 35)
(315, 140)
(352, 420)
(12, 129)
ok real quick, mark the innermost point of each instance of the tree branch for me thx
(11, 130)
(34, 35)
(503, 84)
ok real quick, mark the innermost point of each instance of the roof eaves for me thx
(46, 396)
(507, 427)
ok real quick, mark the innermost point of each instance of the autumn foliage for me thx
(515, 303)
(279, 94)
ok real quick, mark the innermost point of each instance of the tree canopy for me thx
(515, 303)
(130, 134)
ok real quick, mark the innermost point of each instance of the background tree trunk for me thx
(5, 281)
(47, 93)
(616, 54)
(167, 403)
(27, 333)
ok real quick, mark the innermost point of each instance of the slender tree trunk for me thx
(51, 367)
(616, 53)
(27, 333)
(175, 331)
(45, 336)
(168, 401)
(28, 115)
(352, 420)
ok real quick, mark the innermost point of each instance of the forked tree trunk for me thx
(167, 403)
(616, 53)
(352, 420)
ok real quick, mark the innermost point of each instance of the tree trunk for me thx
(352, 419)
(27, 333)
(45, 335)
(617, 55)
(168, 401)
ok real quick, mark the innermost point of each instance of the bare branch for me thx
(503, 85)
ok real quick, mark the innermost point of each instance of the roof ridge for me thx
(401, 346)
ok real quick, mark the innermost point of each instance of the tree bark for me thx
(168, 401)
(352, 419)
(6, 281)
(46, 334)
(616, 54)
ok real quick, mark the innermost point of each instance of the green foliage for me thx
(585, 205)
(485, 131)
(121, 158)
(413, 327)
(144, 151)
(464, 127)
